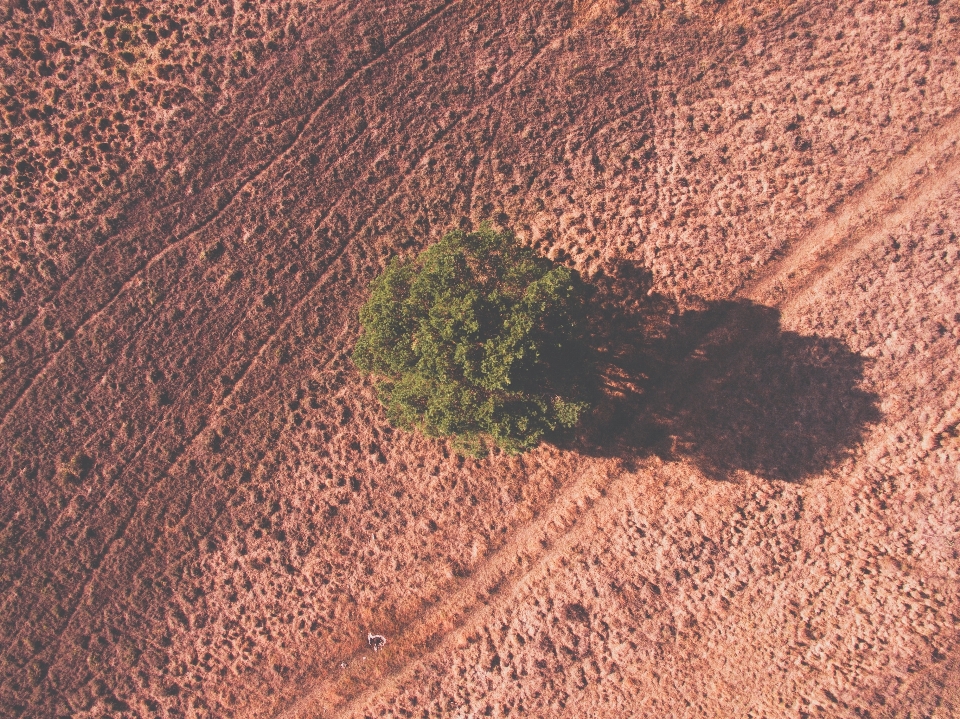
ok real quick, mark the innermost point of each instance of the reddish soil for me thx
(202, 509)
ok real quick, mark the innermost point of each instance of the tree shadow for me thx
(719, 383)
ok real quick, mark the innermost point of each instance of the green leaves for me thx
(478, 339)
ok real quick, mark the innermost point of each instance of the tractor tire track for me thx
(504, 568)
(161, 477)
(147, 443)
(906, 184)
(355, 236)
(150, 261)
(887, 199)
(284, 322)
(138, 451)
(303, 122)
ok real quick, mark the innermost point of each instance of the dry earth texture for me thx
(202, 509)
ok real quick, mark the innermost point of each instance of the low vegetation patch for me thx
(478, 339)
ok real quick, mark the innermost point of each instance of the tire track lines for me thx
(124, 288)
(215, 188)
(198, 374)
(339, 160)
(472, 187)
(886, 202)
(427, 19)
(239, 321)
(828, 262)
(600, 130)
(493, 126)
(523, 552)
(131, 282)
(122, 202)
(147, 443)
(401, 185)
(343, 247)
(138, 449)
(578, 513)
(262, 349)
(212, 189)
(443, 133)
(211, 524)
(241, 318)
(148, 491)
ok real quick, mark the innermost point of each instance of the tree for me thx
(478, 339)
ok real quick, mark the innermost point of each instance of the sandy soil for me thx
(203, 511)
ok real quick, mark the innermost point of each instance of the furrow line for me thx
(159, 478)
(260, 352)
(212, 218)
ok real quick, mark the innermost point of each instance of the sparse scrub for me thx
(478, 339)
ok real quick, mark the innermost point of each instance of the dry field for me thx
(202, 510)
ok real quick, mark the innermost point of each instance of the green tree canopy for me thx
(477, 338)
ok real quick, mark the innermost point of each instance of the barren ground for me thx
(202, 509)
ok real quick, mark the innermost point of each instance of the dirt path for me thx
(907, 184)
(891, 197)
(506, 567)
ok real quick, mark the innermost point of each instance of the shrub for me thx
(478, 339)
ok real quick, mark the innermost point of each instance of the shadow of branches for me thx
(721, 384)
